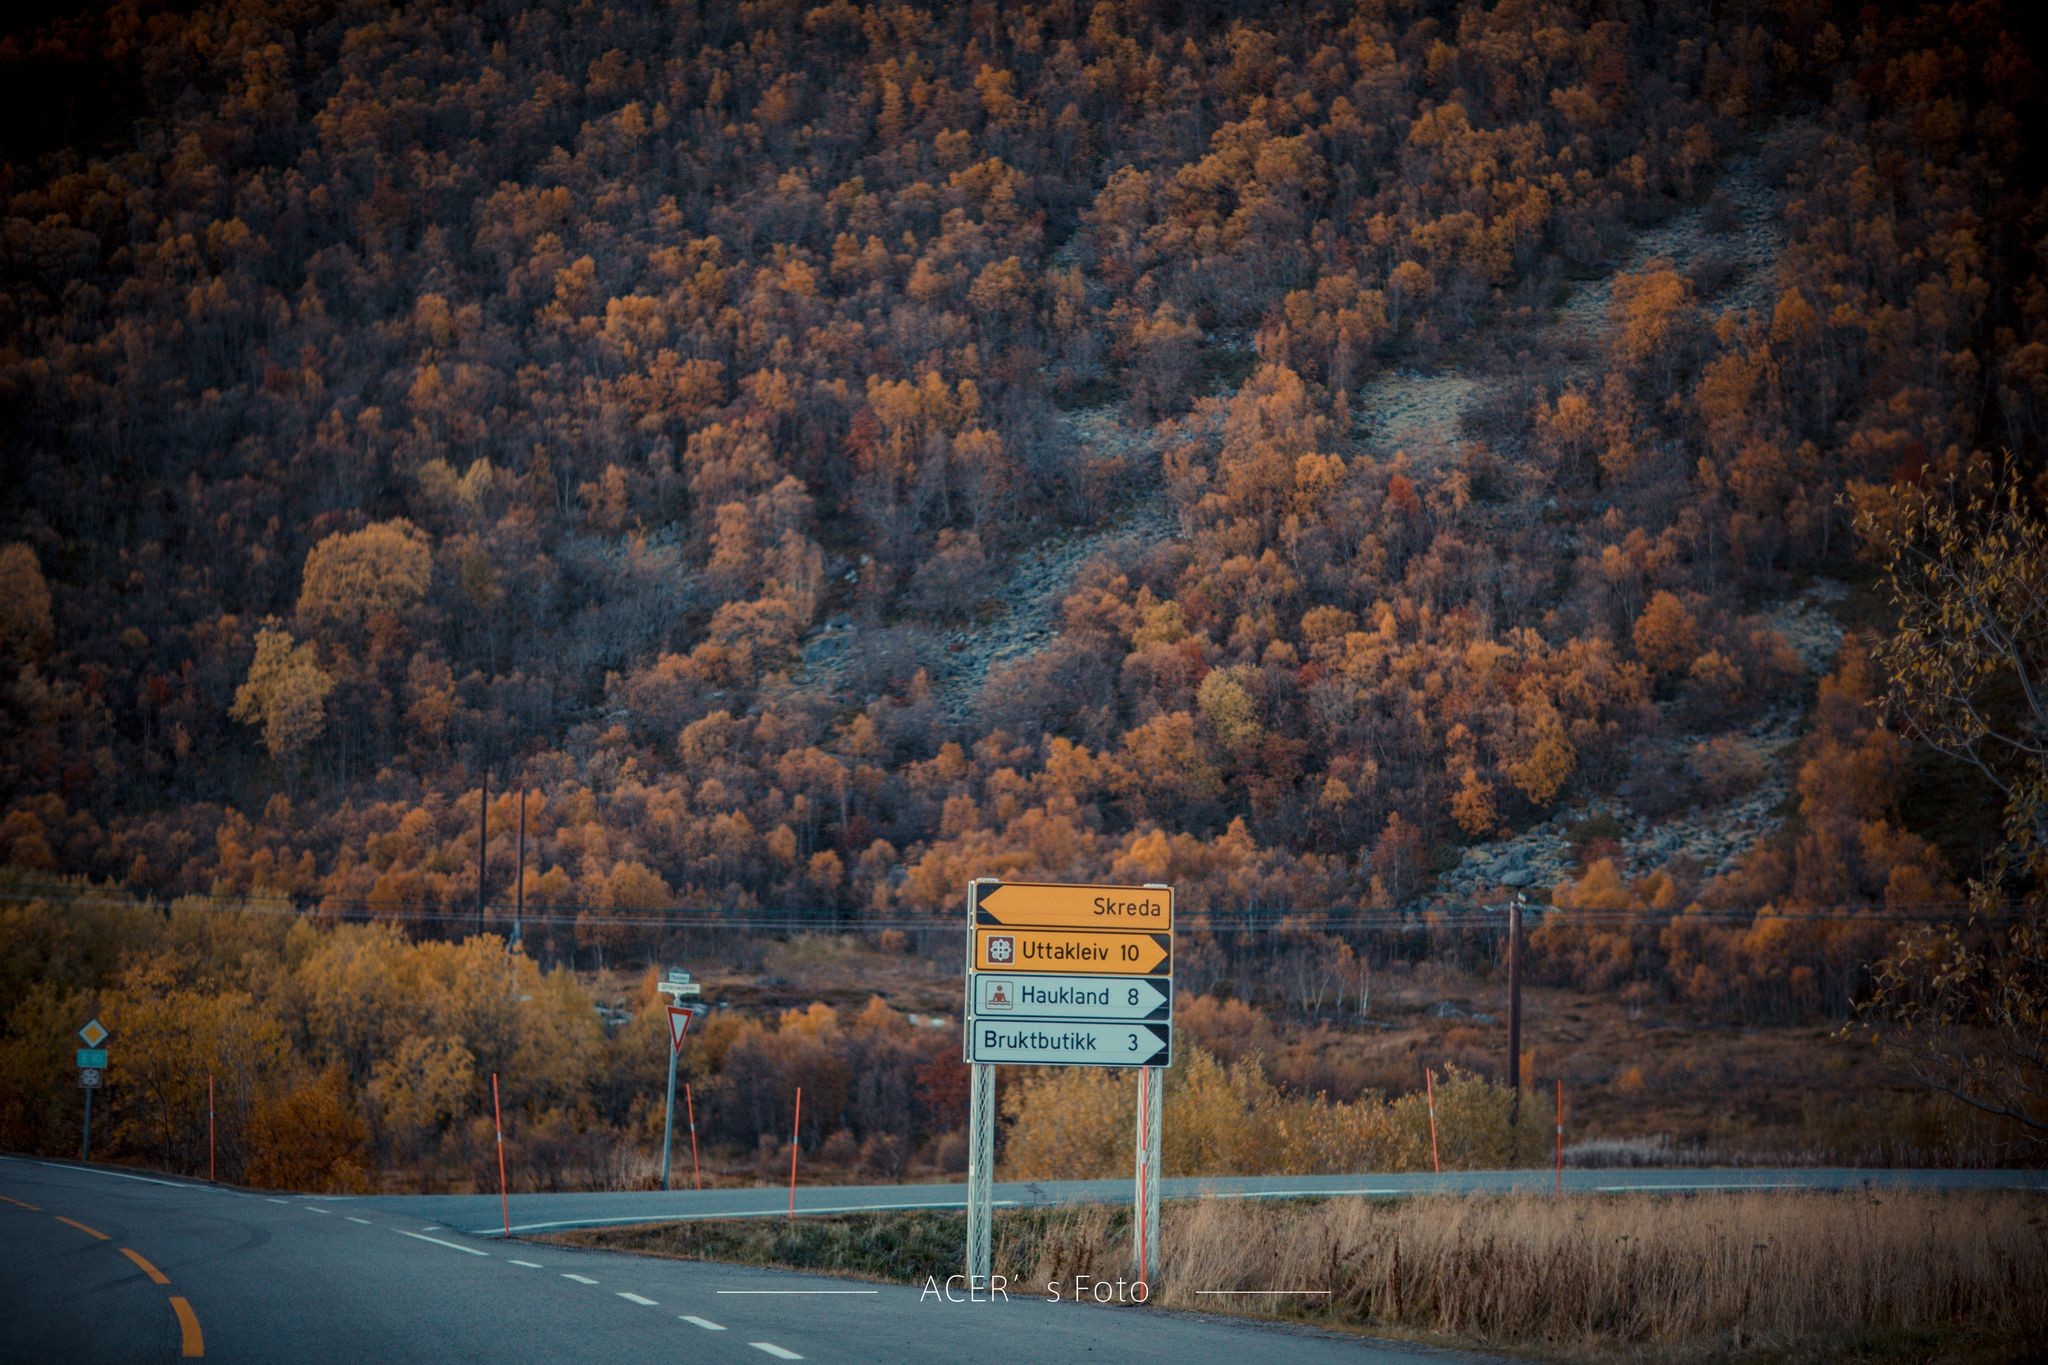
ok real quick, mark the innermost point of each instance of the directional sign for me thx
(89, 1077)
(678, 976)
(1071, 951)
(679, 1017)
(1048, 1042)
(92, 1056)
(1101, 998)
(1041, 906)
(94, 1033)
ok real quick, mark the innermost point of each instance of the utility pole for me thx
(519, 886)
(1515, 995)
(483, 843)
(1515, 1028)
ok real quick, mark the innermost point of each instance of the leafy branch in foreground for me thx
(1964, 1009)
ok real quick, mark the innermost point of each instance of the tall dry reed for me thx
(1707, 1272)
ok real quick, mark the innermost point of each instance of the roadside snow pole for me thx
(795, 1126)
(1560, 1135)
(211, 1167)
(696, 1172)
(1429, 1082)
(498, 1117)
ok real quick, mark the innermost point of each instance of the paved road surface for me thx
(533, 1213)
(82, 1251)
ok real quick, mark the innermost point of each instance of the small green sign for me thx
(92, 1056)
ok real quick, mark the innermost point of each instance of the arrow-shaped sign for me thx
(1045, 906)
(1046, 1042)
(1068, 951)
(679, 1017)
(1115, 999)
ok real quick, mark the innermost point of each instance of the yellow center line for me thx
(94, 1232)
(147, 1268)
(19, 1204)
(188, 1323)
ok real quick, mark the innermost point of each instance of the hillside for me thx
(1336, 462)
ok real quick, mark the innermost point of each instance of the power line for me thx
(1490, 919)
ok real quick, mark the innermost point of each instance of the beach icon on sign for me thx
(998, 994)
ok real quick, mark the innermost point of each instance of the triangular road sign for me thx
(679, 1017)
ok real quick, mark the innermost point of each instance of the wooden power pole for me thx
(1515, 995)
(483, 845)
(1515, 1029)
(519, 886)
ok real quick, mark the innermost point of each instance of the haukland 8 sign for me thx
(1069, 975)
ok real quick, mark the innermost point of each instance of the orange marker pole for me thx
(498, 1116)
(794, 1125)
(1429, 1079)
(696, 1173)
(1560, 1135)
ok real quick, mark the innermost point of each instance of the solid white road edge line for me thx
(121, 1175)
(452, 1246)
(635, 1298)
(709, 1217)
(772, 1349)
(706, 1323)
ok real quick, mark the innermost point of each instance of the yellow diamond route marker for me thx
(94, 1033)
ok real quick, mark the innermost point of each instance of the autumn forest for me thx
(649, 468)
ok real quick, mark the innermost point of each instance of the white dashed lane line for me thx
(580, 1279)
(635, 1298)
(353, 1219)
(706, 1323)
(452, 1246)
(530, 1265)
(317, 1209)
(280, 1201)
(772, 1349)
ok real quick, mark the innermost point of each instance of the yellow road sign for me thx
(1068, 950)
(1043, 905)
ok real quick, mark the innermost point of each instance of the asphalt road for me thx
(480, 1215)
(268, 1277)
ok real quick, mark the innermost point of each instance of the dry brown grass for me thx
(1666, 1277)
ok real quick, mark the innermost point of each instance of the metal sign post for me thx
(1145, 1206)
(981, 1170)
(1066, 976)
(679, 1017)
(92, 1062)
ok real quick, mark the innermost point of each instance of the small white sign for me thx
(679, 1017)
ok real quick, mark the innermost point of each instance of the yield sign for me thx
(679, 1017)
